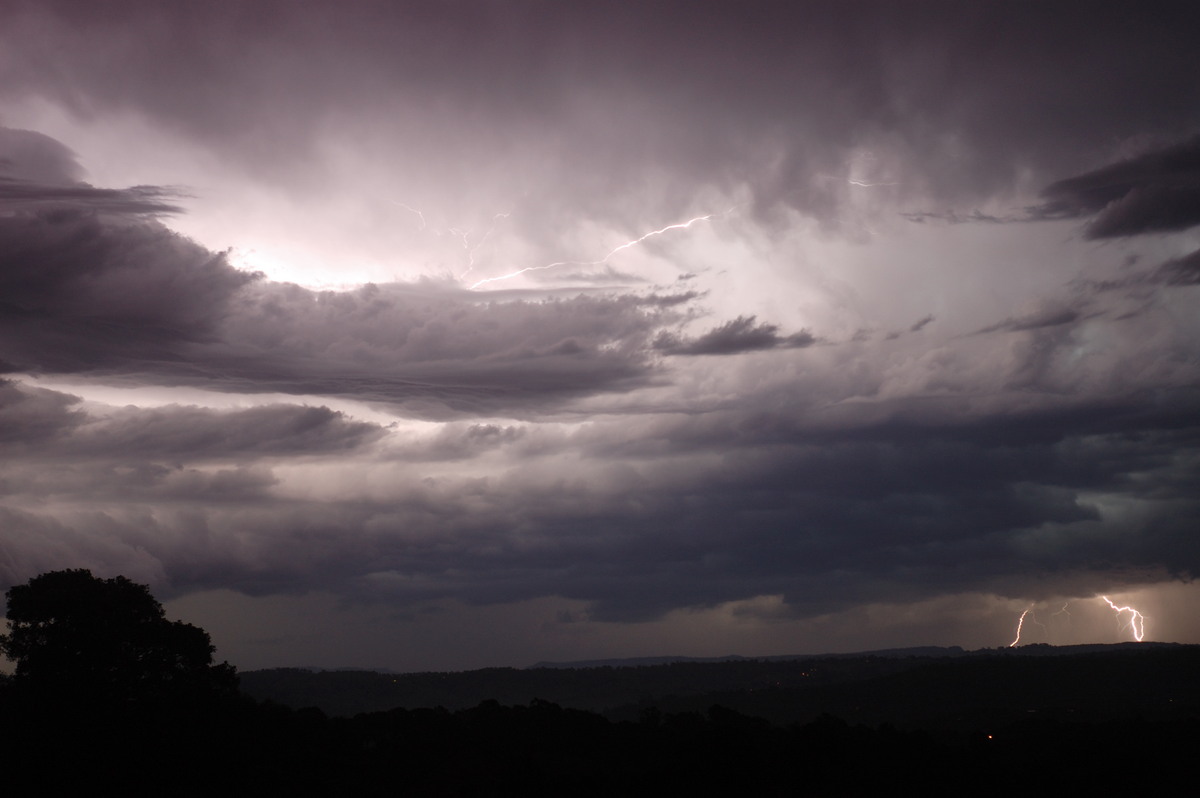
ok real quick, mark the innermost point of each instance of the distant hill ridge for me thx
(641, 662)
(931, 687)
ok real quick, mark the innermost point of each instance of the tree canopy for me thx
(75, 634)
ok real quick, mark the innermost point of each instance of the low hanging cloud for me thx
(932, 510)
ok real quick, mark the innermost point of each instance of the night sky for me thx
(459, 334)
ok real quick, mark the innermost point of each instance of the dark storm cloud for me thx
(56, 424)
(778, 97)
(79, 293)
(195, 433)
(34, 415)
(1060, 448)
(740, 335)
(33, 544)
(449, 348)
(826, 521)
(940, 507)
(826, 515)
(1155, 192)
(123, 484)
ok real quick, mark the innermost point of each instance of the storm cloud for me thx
(604, 318)
(1154, 192)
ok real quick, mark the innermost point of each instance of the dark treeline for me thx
(242, 747)
(111, 698)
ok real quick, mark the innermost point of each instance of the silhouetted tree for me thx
(109, 692)
(76, 636)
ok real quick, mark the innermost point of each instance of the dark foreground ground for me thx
(993, 723)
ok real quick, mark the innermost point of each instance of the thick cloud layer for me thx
(96, 292)
(670, 345)
(82, 292)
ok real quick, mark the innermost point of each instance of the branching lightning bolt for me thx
(1137, 621)
(605, 259)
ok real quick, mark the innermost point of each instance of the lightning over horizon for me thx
(1020, 626)
(1137, 621)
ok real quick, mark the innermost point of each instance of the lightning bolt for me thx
(869, 185)
(627, 245)
(1020, 625)
(1137, 621)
